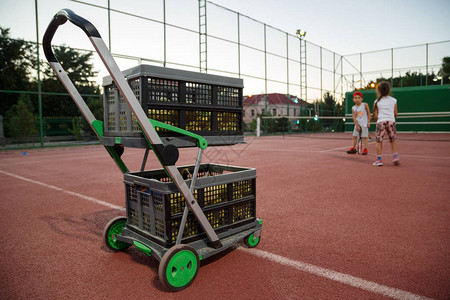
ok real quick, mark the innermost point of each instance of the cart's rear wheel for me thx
(110, 232)
(178, 267)
(251, 242)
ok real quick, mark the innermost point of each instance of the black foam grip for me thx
(60, 18)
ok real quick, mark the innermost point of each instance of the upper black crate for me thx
(206, 104)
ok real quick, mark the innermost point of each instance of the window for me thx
(274, 111)
(263, 111)
(253, 112)
(295, 111)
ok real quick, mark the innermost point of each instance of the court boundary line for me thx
(84, 197)
(299, 265)
(334, 275)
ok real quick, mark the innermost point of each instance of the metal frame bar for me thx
(191, 188)
(147, 128)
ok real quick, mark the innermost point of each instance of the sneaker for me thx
(352, 151)
(370, 139)
(378, 163)
(396, 161)
(364, 152)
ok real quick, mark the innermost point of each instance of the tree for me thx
(20, 119)
(328, 105)
(418, 78)
(80, 70)
(17, 59)
(444, 72)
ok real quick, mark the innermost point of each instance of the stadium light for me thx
(343, 119)
(298, 122)
(316, 118)
(296, 100)
(372, 85)
(301, 33)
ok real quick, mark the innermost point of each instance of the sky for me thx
(353, 26)
(340, 27)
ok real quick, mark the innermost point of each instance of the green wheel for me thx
(110, 232)
(251, 242)
(178, 267)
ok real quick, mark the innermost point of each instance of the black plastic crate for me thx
(226, 194)
(206, 104)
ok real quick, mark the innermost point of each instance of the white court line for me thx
(293, 150)
(345, 147)
(84, 197)
(301, 266)
(22, 161)
(328, 150)
(424, 156)
(335, 276)
(282, 150)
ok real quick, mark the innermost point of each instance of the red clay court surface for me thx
(334, 226)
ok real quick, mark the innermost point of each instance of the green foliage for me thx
(445, 69)
(327, 107)
(76, 128)
(96, 107)
(20, 119)
(253, 125)
(18, 65)
(273, 125)
(420, 79)
(17, 58)
(80, 70)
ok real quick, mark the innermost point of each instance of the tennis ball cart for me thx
(179, 215)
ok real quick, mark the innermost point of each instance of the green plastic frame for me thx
(201, 141)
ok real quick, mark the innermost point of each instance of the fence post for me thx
(265, 73)
(41, 127)
(392, 67)
(426, 72)
(239, 43)
(2, 136)
(109, 25)
(165, 26)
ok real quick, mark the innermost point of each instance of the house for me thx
(277, 105)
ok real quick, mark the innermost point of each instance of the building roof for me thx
(273, 99)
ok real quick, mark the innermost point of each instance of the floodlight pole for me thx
(303, 81)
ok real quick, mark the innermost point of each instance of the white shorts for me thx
(364, 132)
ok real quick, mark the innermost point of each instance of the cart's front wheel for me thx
(178, 267)
(110, 232)
(251, 241)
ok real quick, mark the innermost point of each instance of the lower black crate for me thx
(226, 194)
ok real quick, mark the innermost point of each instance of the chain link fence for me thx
(199, 35)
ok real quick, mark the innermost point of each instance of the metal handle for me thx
(60, 18)
(166, 154)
